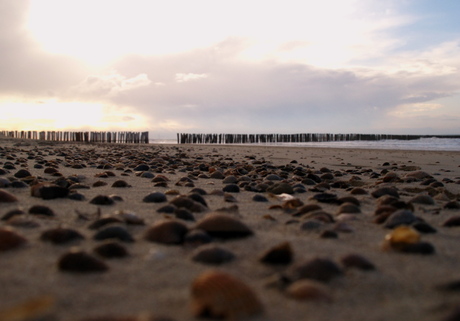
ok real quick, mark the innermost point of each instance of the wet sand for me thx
(156, 278)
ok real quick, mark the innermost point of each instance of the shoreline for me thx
(156, 278)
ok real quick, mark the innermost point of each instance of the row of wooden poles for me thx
(88, 137)
(184, 138)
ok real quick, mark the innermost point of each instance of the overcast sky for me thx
(211, 66)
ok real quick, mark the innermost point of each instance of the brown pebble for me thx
(61, 235)
(80, 262)
(357, 261)
(166, 232)
(218, 294)
(223, 226)
(320, 269)
(309, 290)
(111, 249)
(6, 197)
(41, 210)
(212, 254)
(10, 239)
(279, 254)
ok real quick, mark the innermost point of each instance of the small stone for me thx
(400, 217)
(279, 254)
(155, 197)
(212, 255)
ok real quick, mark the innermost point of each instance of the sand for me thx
(156, 278)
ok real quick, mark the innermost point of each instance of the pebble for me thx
(10, 239)
(78, 261)
(212, 254)
(279, 254)
(155, 197)
(223, 226)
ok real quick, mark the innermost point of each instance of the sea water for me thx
(434, 144)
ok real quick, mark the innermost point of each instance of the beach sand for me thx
(156, 278)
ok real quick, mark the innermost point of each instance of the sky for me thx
(215, 66)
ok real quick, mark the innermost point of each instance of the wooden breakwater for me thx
(86, 137)
(185, 138)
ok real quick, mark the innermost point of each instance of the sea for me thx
(429, 144)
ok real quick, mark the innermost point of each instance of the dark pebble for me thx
(114, 232)
(279, 254)
(102, 200)
(357, 261)
(41, 210)
(111, 249)
(212, 255)
(155, 197)
(80, 262)
(61, 235)
(231, 188)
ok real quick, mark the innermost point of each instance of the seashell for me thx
(114, 232)
(311, 224)
(400, 217)
(80, 262)
(104, 221)
(402, 235)
(130, 218)
(212, 255)
(21, 221)
(41, 210)
(231, 188)
(406, 239)
(452, 205)
(230, 198)
(120, 184)
(348, 208)
(10, 239)
(358, 191)
(223, 226)
(217, 294)
(259, 198)
(76, 196)
(32, 309)
(22, 173)
(167, 209)
(306, 209)
(166, 232)
(423, 199)
(419, 175)
(452, 221)
(424, 227)
(197, 198)
(292, 203)
(61, 235)
(188, 203)
(155, 197)
(325, 198)
(184, 214)
(279, 254)
(172, 192)
(102, 200)
(357, 261)
(12, 213)
(309, 290)
(281, 188)
(320, 215)
(99, 184)
(319, 269)
(385, 191)
(195, 238)
(111, 249)
(6, 197)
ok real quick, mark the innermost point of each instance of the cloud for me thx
(181, 77)
(101, 87)
(25, 68)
